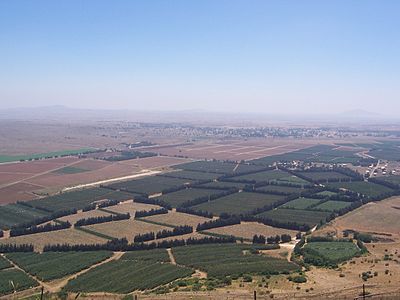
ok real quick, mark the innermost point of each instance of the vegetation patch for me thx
(332, 205)
(301, 203)
(368, 189)
(12, 280)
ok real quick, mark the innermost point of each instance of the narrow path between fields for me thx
(171, 256)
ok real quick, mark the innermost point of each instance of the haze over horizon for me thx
(226, 56)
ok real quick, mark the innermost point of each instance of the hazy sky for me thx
(253, 56)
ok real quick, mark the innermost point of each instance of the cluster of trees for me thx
(8, 248)
(152, 212)
(36, 229)
(89, 207)
(260, 239)
(204, 199)
(108, 203)
(188, 210)
(102, 219)
(140, 238)
(124, 245)
(218, 223)
(155, 201)
(179, 230)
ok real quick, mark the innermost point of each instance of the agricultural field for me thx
(326, 193)
(11, 158)
(224, 185)
(247, 230)
(20, 281)
(328, 176)
(84, 215)
(310, 218)
(154, 255)
(369, 189)
(69, 236)
(332, 205)
(209, 166)
(48, 266)
(116, 276)
(395, 179)
(79, 199)
(177, 219)
(238, 203)
(125, 228)
(332, 252)
(4, 264)
(175, 199)
(264, 176)
(301, 203)
(70, 170)
(154, 162)
(130, 207)
(14, 214)
(192, 175)
(229, 259)
(273, 188)
(150, 185)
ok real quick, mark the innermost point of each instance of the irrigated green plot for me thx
(238, 203)
(125, 276)
(326, 193)
(175, 199)
(4, 264)
(320, 176)
(214, 166)
(9, 158)
(264, 176)
(14, 214)
(70, 170)
(332, 205)
(150, 185)
(301, 203)
(368, 189)
(220, 260)
(322, 253)
(15, 280)
(53, 265)
(287, 215)
(154, 255)
(224, 185)
(192, 175)
(287, 190)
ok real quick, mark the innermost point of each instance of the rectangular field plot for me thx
(84, 215)
(229, 259)
(66, 236)
(301, 203)
(208, 166)
(368, 189)
(330, 252)
(332, 205)
(177, 219)
(192, 175)
(238, 203)
(131, 207)
(395, 179)
(224, 185)
(20, 280)
(150, 185)
(326, 193)
(79, 199)
(179, 197)
(154, 255)
(286, 215)
(287, 190)
(247, 230)
(54, 265)
(125, 228)
(264, 176)
(125, 276)
(324, 176)
(4, 264)
(14, 214)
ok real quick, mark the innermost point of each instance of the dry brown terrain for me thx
(178, 219)
(83, 215)
(155, 162)
(248, 229)
(126, 228)
(131, 207)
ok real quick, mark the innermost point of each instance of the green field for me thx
(332, 205)
(18, 279)
(70, 170)
(394, 179)
(192, 175)
(321, 253)
(4, 264)
(224, 185)
(238, 203)
(264, 176)
(78, 199)
(54, 265)
(150, 185)
(10, 158)
(281, 189)
(14, 214)
(155, 255)
(326, 193)
(229, 259)
(175, 199)
(301, 203)
(208, 166)
(125, 276)
(324, 176)
(310, 218)
(368, 189)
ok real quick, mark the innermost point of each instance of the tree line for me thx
(151, 212)
(221, 222)
(261, 239)
(8, 248)
(179, 230)
(101, 219)
(36, 229)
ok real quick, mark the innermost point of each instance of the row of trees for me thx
(36, 229)
(152, 212)
(108, 203)
(179, 230)
(188, 210)
(218, 223)
(155, 201)
(261, 239)
(101, 219)
(8, 248)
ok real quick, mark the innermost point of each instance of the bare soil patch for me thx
(177, 219)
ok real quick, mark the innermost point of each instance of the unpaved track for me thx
(171, 256)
